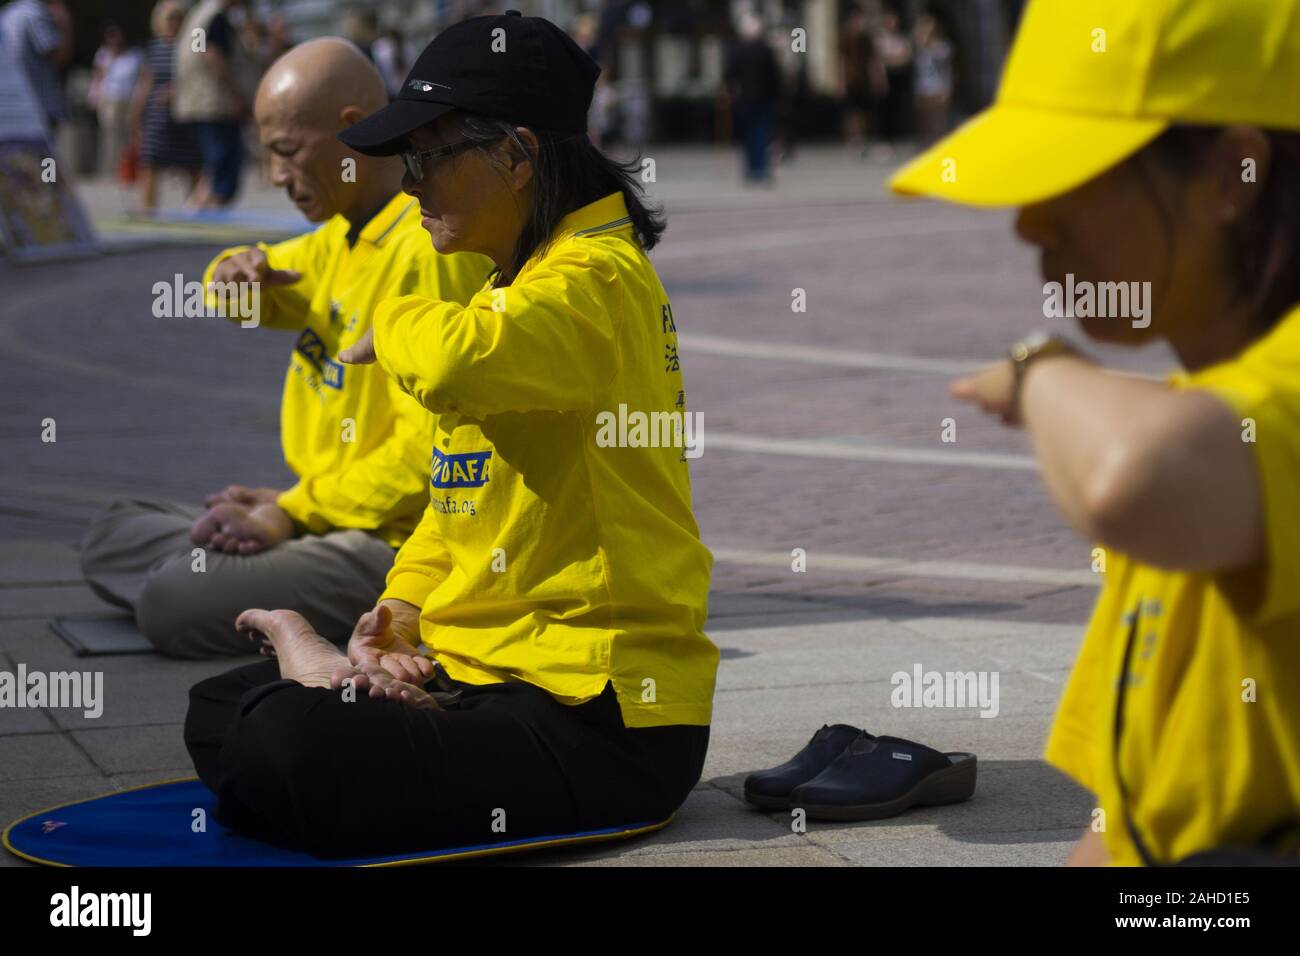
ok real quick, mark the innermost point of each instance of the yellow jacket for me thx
(358, 446)
(544, 555)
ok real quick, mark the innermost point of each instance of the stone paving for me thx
(822, 433)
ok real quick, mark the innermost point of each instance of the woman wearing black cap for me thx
(558, 574)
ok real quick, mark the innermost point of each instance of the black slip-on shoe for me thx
(877, 777)
(771, 789)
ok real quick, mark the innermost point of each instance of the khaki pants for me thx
(138, 555)
(114, 135)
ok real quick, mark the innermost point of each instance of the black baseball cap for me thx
(524, 69)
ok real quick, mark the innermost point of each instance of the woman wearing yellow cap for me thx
(557, 577)
(1154, 152)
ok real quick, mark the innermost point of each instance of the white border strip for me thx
(899, 567)
(865, 451)
(841, 358)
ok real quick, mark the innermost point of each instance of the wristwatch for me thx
(1035, 346)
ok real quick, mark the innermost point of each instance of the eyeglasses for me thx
(414, 161)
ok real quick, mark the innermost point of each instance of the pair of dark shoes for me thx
(847, 774)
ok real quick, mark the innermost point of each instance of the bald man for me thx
(358, 445)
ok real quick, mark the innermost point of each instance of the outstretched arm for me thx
(1155, 472)
(285, 273)
(546, 345)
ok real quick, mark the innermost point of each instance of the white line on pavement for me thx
(865, 451)
(763, 240)
(842, 358)
(899, 567)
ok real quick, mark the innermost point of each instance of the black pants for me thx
(302, 767)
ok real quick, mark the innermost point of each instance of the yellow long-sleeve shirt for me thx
(550, 554)
(358, 445)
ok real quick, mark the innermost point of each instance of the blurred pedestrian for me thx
(252, 34)
(361, 26)
(862, 82)
(256, 45)
(586, 33)
(164, 143)
(38, 35)
(792, 106)
(753, 79)
(389, 55)
(896, 56)
(278, 38)
(933, 57)
(116, 67)
(211, 74)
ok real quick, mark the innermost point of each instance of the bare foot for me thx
(303, 654)
(238, 528)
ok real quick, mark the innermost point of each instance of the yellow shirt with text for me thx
(1210, 743)
(551, 553)
(358, 445)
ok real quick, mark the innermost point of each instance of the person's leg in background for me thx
(303, 766)
(931, 118)
(209, 135)
(114, 128)
(138, 555)
(127, 540)
(228, 163)
(148, 187)
(201, 189)
(759, 140)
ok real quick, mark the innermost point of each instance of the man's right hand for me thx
(251, 265)
(388, 638)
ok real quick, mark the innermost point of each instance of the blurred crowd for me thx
(178, 102)
(171, 105)
(892, 85)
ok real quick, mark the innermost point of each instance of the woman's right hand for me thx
(388, 638)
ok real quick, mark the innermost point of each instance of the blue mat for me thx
(152, 826)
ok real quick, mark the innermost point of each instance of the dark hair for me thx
(1266, 239)
(569, 173)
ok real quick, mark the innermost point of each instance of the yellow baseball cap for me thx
(1090, 82)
